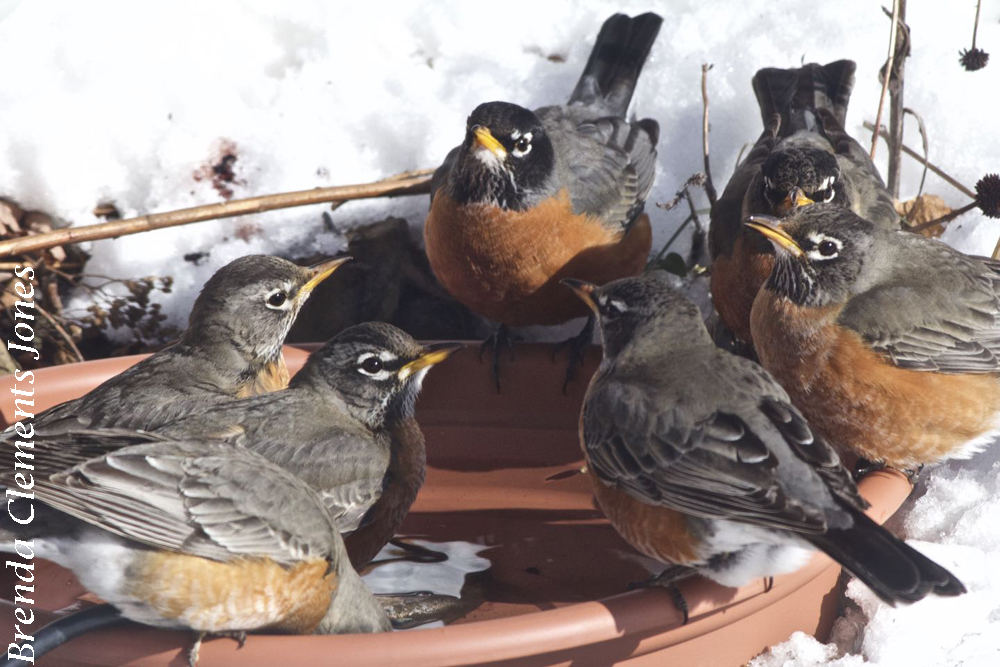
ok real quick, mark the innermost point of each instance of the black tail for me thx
(79, 623)
(797, 94)
(616, 60)
(895, 571)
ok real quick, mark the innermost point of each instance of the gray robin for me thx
(345, 426)
(530, 197)
(231, 348)
(887, 341)
(803, 156)
(700, 460)
(192, 534)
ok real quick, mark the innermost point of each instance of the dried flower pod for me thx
(974, 59)
(988, 195)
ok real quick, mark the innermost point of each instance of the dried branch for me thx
(62, 332)
(410, 183)
(888, 75)
(930, 165)
(896, 111)
(709, 186)
(948, 217)
(926, 146)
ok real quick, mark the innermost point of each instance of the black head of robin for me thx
(799, 176)
(531, 197)
(377, 368)
(506, 159)
(804, 156)
(700, 460)
(821, 254)
(887, 340)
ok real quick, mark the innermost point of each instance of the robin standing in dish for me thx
(804, 156)
(232, 348)
(534, 196)
(194, 535)
(700, 461)
(345, 426)
(887, 341)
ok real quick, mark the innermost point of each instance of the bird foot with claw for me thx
(577, 347)
(195, 650)
(500, 338)
(668, 580)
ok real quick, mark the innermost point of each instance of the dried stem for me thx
(930, 165)
(62, 332)
(996, 250)
(975, 26)
(709, 186)
(888, 75)
(896, 111)
(410, 183)
(947, 217)
(924, 142)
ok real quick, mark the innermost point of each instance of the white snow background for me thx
(125, 101)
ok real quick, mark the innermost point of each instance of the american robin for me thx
(345, 426)
(232, 348)
(700, 460)
(192, 534)
(804, 156)
(887, 341)
(530, 197)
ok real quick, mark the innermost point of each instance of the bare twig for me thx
(888, 75)
(696, 180)
(709, 186)
(894, 73)
(996, 250)
(930, 165)
(62, 332)
(947, 217)
(697, 237)
(739, 156)
(926, 145)
(975, 27)
(410, 183)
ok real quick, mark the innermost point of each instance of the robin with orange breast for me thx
(804, 156)
(889, 342)
(344, 425)
(192, 534)
(700, 461)
(531, 197)
(232, 348)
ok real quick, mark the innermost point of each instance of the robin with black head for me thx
(889, 342)
(193, 534)
(804, 156)
(530, 197)
(232, 348)
(700, 460)
(345, 426)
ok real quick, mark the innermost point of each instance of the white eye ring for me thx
(382, 357)
(278, 300)
(517, 137)
(817, 239)
(830, 196)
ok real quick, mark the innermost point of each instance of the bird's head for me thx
(799, 176)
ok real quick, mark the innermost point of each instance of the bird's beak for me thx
(486, 139)
(796, 198)
(768, 226)
(584, 290)
(321, 272)
(433, 354)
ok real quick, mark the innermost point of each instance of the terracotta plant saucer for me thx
(502, 473)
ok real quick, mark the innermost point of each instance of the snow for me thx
(126, 102)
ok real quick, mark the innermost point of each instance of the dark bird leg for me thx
(577, 346)
(668, 579)
(500, 338)
(238, 635)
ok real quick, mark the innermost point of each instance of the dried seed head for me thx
(973, 59)
(988, 195)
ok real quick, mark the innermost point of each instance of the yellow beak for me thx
(486, 139)
(767, 226)
(584, 290)
(795, 199)
(433, 354)
(321, 272)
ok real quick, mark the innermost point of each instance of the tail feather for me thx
(797, 94)
(894, 570)
(616, 60)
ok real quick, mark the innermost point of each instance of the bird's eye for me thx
(824, 195)
(827, 248)
(276, 299)
(371, 365)
(522, 144)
